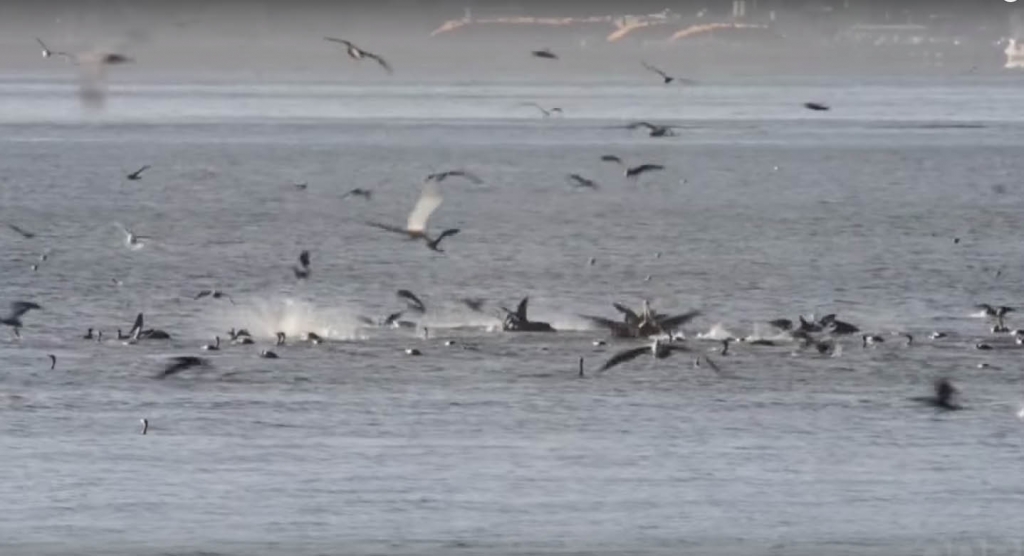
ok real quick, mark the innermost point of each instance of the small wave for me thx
(266, 317)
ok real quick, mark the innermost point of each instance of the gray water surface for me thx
(494, 445)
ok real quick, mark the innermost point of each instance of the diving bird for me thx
(441, 176)
(653, 129)
(580, 181)
(302, 271)
(668, 79)
(547, 112)
(944, 398)
(414, 302)
(416, 224)
(816, 106)
(178, 364)
(635, 171)
(544, 53)
(131, 241)
(214, 294)
(659, 349)
(137, 175)
(21, 231)
(13, 316)
(357, 53)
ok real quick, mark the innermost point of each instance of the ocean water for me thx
(899, 209)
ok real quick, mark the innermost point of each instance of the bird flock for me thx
(662, 334)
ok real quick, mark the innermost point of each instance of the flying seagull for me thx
(178, 364)
(357, 53)
(654, 129)
(215, 294)
(580, 181)
(13, 316)
(635, 171)
(441, 176)
(137, 175)
(302, 271)
(131, 240)
(416, 224)
(414, 302)
(816, 106)
(544, 53)
(21, 231)
(545, 111)
(668, 79)
(658, 349)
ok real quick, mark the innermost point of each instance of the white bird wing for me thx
(430, 199)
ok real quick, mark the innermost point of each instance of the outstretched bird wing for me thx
(389, 228)
(383, 63)
(671, 323)
(430, 199)
(631, 317)
(19, 308)
(521, 309)
(202, 294)
(136, 328)
(23, 233)
(655, 70)
(342, 41)
(617, 328)
(415, 303)
(623, 356)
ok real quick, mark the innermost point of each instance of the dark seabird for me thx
(416, 224)
(137, 175)
(302, 271)
(280, 339)
(519, 322)
(145, 425)
(441, 176)
(997, 313)
(473, 303)
(544, 53)
(580, 181)
(21, 231)
(88, 335)
(178, 364)
(414, 302)
(301, 186)
(611, 158)
(944, 398)
(359, 192)
(637, 170)
(413, 351)
(53, 361)
(668, 79)
(545, 111)
(357, 53)
(658, 349)
(267, 354)
(816, 106)
(14, 313)
(655, 130)
(214, 294)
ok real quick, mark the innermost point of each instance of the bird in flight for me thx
(137, 175)
(544, 53)
(441, 176)
(214, 294)
(654, 129)
(944, 398)
(48, 53)
(635, 171)
(416, 224)
(611, 158)
(357, 53)
(659, 349)
(13, 316)
(359, 192)
(178, 364)
(414, 302)
(816, 106)
(545, 111)
(21, 231)
(580, 181)
(668, 79)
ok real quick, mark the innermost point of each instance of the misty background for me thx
(262, 39)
